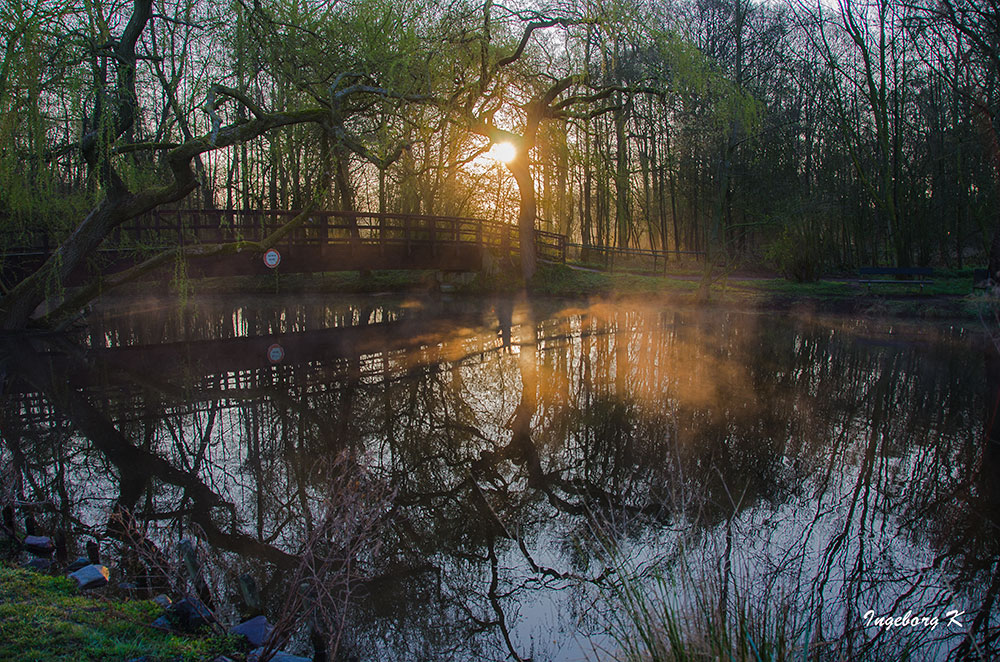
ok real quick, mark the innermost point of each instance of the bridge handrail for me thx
(326, 227)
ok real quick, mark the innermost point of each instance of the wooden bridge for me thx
(201, 374)
(326, 241)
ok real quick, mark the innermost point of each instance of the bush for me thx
(795, 257)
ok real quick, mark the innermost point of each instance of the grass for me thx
(820, 288)
(45, 619)
(949, 297)
(676, 617)
(679, 614)
(550, 280)
(559, 280)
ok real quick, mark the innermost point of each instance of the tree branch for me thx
(103, 285)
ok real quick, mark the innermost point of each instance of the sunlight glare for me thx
(503, 152)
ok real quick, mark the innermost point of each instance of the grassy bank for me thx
(45, 618)
(951, 296)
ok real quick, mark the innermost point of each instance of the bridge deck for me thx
(326, 241)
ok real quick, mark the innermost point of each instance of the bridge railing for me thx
(163, 228)
(338, 227)
(627, 259)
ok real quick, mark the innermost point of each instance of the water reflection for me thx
(831, 468)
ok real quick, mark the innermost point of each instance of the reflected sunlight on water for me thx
(554, 466)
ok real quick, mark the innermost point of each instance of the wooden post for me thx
(381, 235)
(324, 233)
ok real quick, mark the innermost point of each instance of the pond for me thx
(506, 479)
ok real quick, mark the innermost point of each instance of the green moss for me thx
(45, 619)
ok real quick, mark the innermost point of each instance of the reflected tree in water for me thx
(824, 469)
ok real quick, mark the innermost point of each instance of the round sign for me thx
(275, 353)
(272, 258)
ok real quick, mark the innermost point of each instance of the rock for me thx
(163, 600)
(189, 614)
(222, 658)
(39, 565)
(39, 545)
(81, 562)
(257, 630)
(91, 576)
(162, 623)
(280, 656)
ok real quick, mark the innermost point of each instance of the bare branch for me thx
(178, 21)
(529, 30)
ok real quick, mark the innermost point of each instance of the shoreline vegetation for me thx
(46, 618)
(952, 295)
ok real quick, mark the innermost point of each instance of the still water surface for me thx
(532, 473)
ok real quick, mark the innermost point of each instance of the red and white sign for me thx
(272, 258)
(275, 353)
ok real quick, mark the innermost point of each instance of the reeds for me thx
(680, 614)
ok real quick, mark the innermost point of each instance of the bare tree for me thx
(979, 23)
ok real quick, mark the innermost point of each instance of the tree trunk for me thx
(520, 168)
(991, 142)
(17, 305)
(622, 184)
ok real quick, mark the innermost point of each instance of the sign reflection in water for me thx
(555, 469)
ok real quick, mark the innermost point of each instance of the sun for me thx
(503, 152)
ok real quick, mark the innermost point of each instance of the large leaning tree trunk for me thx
(120, 205)
(114, 113)
(106, 140)
(520, 168)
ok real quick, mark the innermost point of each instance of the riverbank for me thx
(950, 297)
(46, 618)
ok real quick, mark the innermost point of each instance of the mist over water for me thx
(545, 461)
